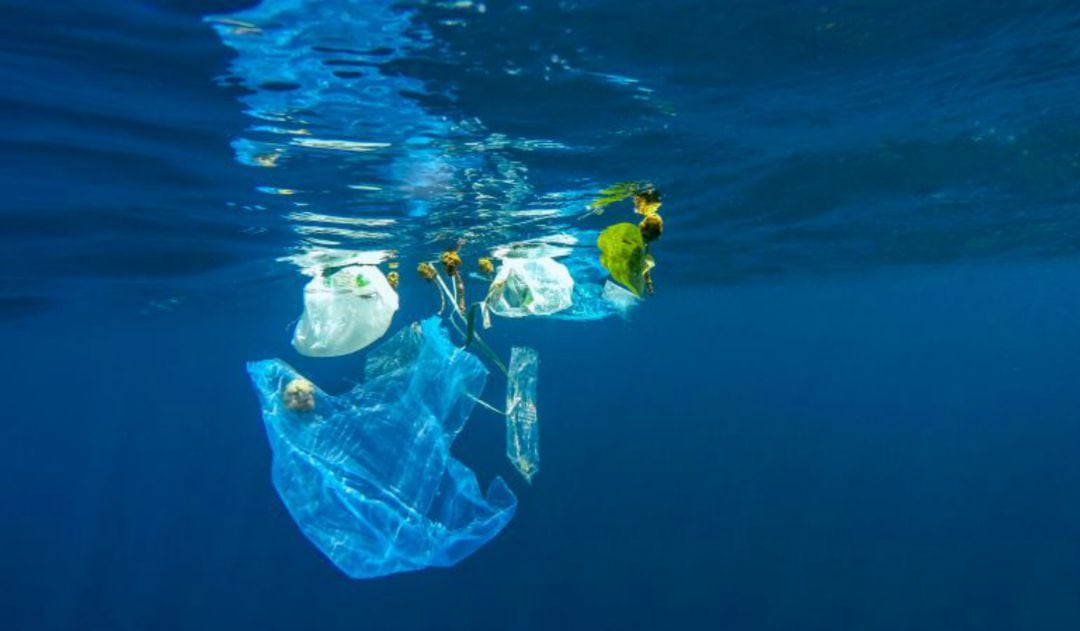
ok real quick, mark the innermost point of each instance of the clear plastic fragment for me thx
(522, 428)
(620, 299)
(593, 299)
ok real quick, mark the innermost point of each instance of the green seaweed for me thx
(617, 193)
(622, 253)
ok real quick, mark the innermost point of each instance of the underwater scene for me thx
(755, 315)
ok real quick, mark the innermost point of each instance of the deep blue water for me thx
(851, 404)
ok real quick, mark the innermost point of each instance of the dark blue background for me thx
(851, 405)
(891, 451)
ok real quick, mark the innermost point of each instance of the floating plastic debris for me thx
(592, 300)
(530, 286)
(620, 299)
(367, 475)
(522, 428)
(344, 312)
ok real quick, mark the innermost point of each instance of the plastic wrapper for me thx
(344, 312)
(367, 475)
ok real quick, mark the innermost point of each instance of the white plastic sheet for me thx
(345, 312)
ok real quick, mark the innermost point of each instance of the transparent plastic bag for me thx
(530, 287)
(368, 475)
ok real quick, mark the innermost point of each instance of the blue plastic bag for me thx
(368, 475)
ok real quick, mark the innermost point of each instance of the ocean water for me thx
(852, 402)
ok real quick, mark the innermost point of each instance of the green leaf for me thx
(622, 253)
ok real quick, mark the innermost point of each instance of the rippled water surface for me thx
(851, 403)
(796, 138)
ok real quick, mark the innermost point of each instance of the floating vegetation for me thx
(427, 271)
(299, 395)
(451, 261)
(652, 227)
(647, 200)
(622, 253)
(624, 247)
(621, 191)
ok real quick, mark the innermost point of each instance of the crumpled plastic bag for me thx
(344, 312)
(368, 476)
(530, 287)
(592, 295)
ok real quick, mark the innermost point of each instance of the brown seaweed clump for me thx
(426, 271)
(652, 226)
(299, 395)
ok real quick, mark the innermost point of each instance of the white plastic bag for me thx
(344, 312)
(530, 286)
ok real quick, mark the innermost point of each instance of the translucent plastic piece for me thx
(593, 298)
(620, 298)
(530, 286)
(345, 312)
(367, 475)
(522, 428)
